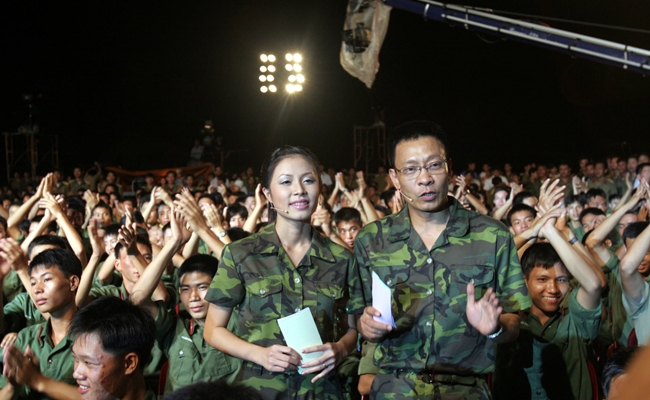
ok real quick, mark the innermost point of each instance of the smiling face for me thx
(428, 190)
(294, 188)
(500, 198)
(193, 287)
(99, 374)
(547, 287)
(644, 267)
(521, 221)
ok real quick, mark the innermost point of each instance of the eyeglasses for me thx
(433, 168)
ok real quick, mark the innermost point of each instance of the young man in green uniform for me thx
(113, 341)
(180, 336)
(39, 365)
(435, 255)
(549, 358)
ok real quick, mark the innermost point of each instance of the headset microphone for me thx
(277, 209)
(405, 196)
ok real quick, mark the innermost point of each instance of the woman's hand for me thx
(333, 353)
(279, 358)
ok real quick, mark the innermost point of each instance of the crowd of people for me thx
(422, 283)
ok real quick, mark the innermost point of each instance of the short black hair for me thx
(65, 260)
(640, 167)
(593, 192)
(591, 210)
(207, 390)
(112, 230)
(616, 366)
(520, 207)
(237, 233)
(139, 239)
(539, 255)
(52, 240)
(236, 209)
(202, 263)
(103, 205)
(121, 326)
(347, 214)
(572, 198)
(633, 230)
(414, 130)
(521, 196)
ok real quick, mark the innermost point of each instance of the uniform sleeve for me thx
(511, 290)
(165, 323)
(361, 281)
(15, 313)
(640, 314)
(587, 322)
(226, 289)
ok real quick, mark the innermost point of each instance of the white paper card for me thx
(382, 300)
(299, 331)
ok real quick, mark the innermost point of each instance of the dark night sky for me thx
(131, 83)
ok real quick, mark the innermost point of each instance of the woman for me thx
(284, 268)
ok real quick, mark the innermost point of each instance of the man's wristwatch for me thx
(221, 234)
(497, 333)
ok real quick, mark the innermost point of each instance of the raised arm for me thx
(187, 206)
(631, 279)
(50, 203)
(590, 286)
(339, 185)
(88, 274)
(23, 210)
(254, 216)
(500, 212)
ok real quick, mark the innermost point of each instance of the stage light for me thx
(271, 58)
(273, 89)
(289, 57)
(264, 58)
(292, 78)
(270, 78)
(264, 89)
(300, 78)
(262, 69)
(297, 88)
(297, 67)
(262, 78)
(290, 88)
(297, 58)
(271, 68)
(289, 67)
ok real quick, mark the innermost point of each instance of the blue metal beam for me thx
(603, 51)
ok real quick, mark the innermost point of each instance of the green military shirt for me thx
(12, 286)
(191, 358)
(617, 326)
(257, 279)
(606, 184)
(56, 362)
(21, 312)
(548, 361)
(429, 288)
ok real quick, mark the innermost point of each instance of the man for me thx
(552, 350)
(635, 269)
(434, 255)
(39, 364)
(348, 224)
(602, 181)
(113, 341)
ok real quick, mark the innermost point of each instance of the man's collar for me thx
(457, 225)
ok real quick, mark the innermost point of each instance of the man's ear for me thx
(118, 265)
(131, 362)
(393, 177)
(74, 282)
(512, 231)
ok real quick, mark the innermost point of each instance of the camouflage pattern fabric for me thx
(388, 385)
(429, 291)
(257, 279)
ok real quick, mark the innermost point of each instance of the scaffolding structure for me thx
(369, 147)
(28, 146)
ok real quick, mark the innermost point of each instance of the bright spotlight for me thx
(262, 78)
(297, 88)
(292, 78)
(273, 89)
(264, 58)
(262, 69)
(290, 88)
(300, 78)
(264, 89)
(271, 58)
(289, 67)
(269, 78)
(297, 58)
(271, 68)
(297, 67)
(289, 57)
